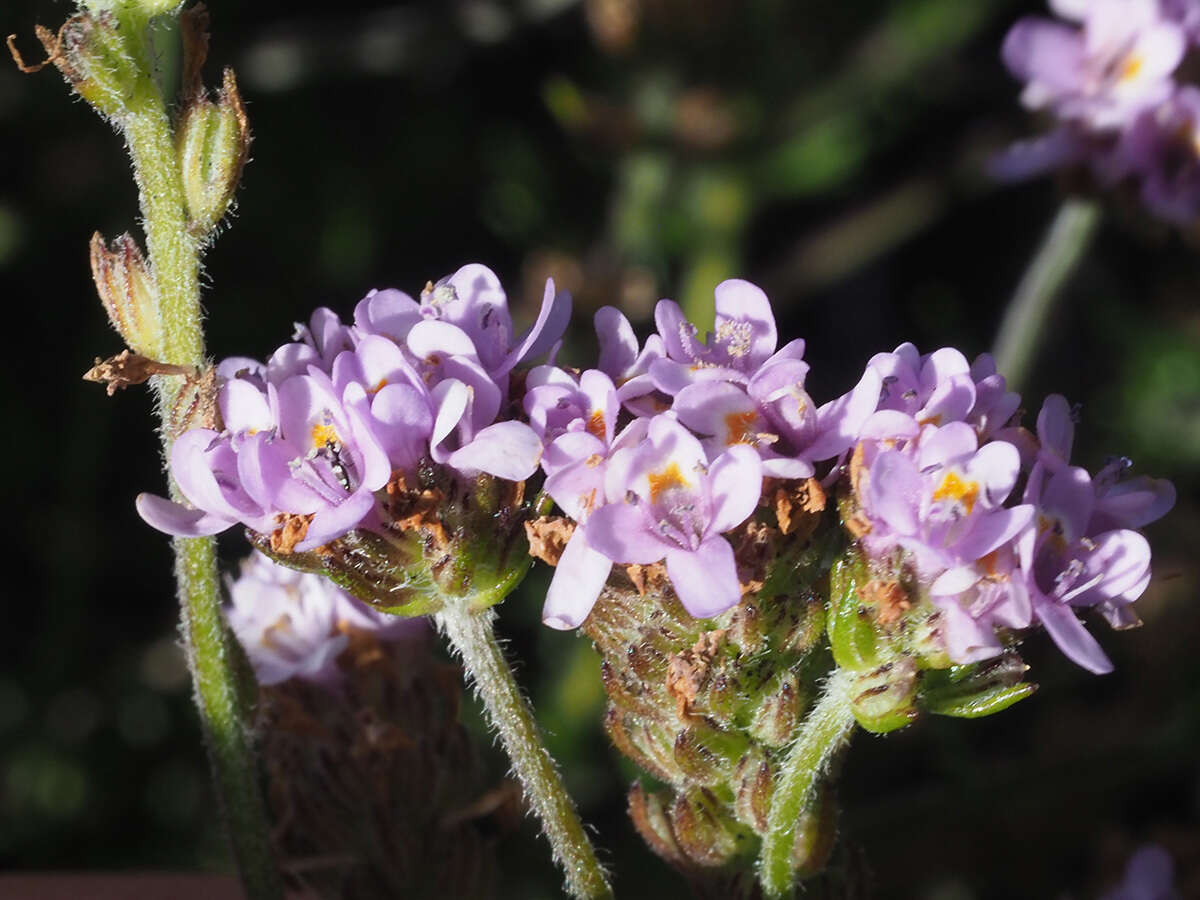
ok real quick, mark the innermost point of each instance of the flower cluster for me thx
(309, 438)
(1108, 73)
(295, 625)
(667, 449)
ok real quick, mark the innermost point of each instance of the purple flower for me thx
(298, 450)
(667, 502)
(1102, 73)
(744, 339)
(322, 426)
(940, 500)
(1083, 552)
(472, 302)
(1149, 875)
(576, 465)
(774, 414)
(627, 364)
(934, 389)
(294, 625)
(557, 402)
(1161, 149)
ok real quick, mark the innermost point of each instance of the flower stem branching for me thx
(826, 730)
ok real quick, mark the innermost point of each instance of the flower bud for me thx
(91, 53)
(127, 290)
(884, 699)
(779, 712)
(709, 755)
(977, 690)
(816, 833)
(852, 632)
(213, 145)
(705, 831)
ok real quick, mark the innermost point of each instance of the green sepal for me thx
(976, 690)
(980, 704)
(852, 634)
(384, 573)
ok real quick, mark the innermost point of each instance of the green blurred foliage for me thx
(633, 149)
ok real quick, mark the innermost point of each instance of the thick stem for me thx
(473, 638)
(175, 262)
(1024, 325)
(826, 730)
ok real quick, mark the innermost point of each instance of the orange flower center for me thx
(741, 427)
(953, 487)
(668, 478)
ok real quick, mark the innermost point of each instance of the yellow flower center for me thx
(740, 427)
(668, 478)
(954, 488)
(323, 435)
(1130, 68)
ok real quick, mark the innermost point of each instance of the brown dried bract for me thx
(196, 403)
(858, 525)
(415, 510)
(127, 368)
(291, 531)
(686, 671)
(888, 597)
(193, 33)
(644, 578)
(548, 536)
(50, 41)
(857, 469)
(753, 549)
(798, 504)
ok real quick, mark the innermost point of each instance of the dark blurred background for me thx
(633, 149)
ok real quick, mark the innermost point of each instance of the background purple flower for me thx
(295, 625)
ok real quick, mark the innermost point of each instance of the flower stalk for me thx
(105, 54)
(826, 730)
(1024, 324)
(175, 260)
(470, 632)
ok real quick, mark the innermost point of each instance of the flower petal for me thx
(578, 580)
(705, 579)
(177, 519)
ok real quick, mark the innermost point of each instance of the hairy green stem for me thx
(175, 261)
(826, 730)
(471, 634)
(1024, 325)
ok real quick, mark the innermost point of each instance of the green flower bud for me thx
(213, 146)
(851, 625)
(976, 690)
(92, 53)
(884, 699)
(127, 290)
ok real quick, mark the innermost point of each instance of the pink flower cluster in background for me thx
(1107, 72)
(295, 625)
